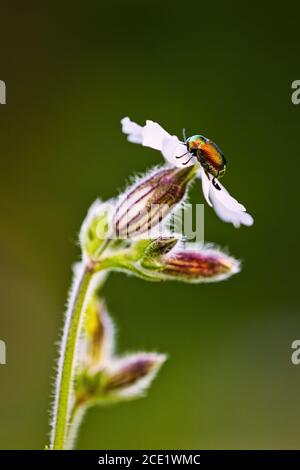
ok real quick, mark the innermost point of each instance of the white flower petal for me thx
(246, 219)
(154, 135)
(205, 185)
(173, 148)
(135, 138)
(133, 130)
(181, 150)
(227, 199)
(226, 207)
(236, 217)
(168, 150)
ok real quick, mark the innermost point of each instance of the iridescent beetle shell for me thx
(208, 155)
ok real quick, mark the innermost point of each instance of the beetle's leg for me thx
(216, 184)
(180, 156)
(185, 163)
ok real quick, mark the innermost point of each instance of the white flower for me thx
(154, 136)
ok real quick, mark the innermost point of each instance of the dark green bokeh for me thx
(72, 72)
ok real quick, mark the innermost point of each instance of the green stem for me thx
(67, 359)
(121, 261)
(64, 389)
(76, 416)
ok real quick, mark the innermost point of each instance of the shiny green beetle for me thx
(208, 155)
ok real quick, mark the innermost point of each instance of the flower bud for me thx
(95, 228)
(130, 376)
(98, 335)
(157, 248)
(144, 206)
(198, 266)
(160, 246)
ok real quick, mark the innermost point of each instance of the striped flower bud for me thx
(130, 376)
(152, 199)
(205, 265)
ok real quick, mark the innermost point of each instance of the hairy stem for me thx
(124, 262)
(66, 420)
(66, 364)
(76, 417)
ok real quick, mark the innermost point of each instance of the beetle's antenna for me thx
(184, 134)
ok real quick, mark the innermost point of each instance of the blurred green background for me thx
(72, 71)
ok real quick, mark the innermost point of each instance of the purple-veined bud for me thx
(98, 337)
(205, 265)
(152, 199)
(130, 376)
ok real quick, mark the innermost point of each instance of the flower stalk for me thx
(66, 363)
